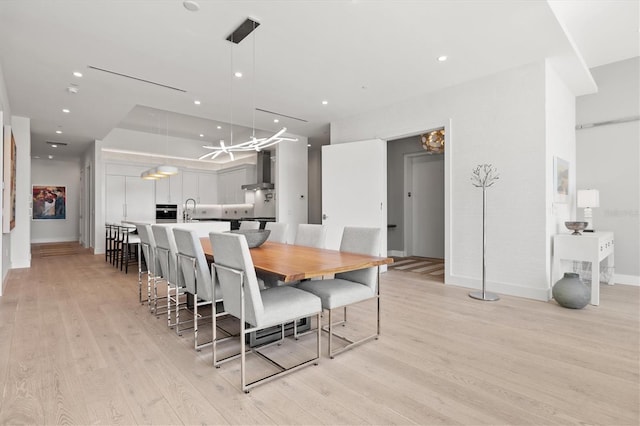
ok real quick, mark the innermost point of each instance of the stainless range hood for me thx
(263, 173)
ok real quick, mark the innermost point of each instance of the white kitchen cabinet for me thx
(230, 182)
(202, 187)
(169, 190)
(128, 198)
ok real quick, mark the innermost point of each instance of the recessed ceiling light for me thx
(59, 132)
(308, 144)
(77, 73)
(53, 145)
(325, 102)
(275, 120)
(66, 111)
(191, 5)
(219, 127)
(238, 74)
(197, 102)
(36, 156)
(201, 135)
(442, 58)
(50, 157)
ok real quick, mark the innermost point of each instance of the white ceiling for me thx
(357, 55)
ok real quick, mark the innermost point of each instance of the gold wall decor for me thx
(433, 142)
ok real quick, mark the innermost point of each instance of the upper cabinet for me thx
(230, 182)
(169, 190)
(201, 186)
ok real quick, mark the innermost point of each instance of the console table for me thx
(589, 247)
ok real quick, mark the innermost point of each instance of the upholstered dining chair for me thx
(256, 309)
(278, 231)
(151, 268)
(311, 235)
(348, 288)
(166, 254)
(249, 224)
(194, 269)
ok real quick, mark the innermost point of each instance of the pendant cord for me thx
(253, 124)
(231, 88)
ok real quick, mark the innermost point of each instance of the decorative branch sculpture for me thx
(484, 176)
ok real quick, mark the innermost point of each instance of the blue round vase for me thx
(571, 292)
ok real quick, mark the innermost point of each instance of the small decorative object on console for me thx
(576, 227)
(571, 292)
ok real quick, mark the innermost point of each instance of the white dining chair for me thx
(249, 224)
(167, 253)
(278, 231)
(311, 235)
(348, 288)
(256, 309)
(194, 269)
(151, 269)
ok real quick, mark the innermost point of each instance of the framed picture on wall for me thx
(49, 202)
(9, 178)
(560, 180)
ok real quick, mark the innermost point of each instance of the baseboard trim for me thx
(542, 294)
(626, 279)
(54, 240)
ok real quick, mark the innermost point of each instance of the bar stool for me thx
(130, 248)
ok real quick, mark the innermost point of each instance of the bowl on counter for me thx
(576, 227)
(255, 237)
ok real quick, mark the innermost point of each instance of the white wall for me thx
(5, 118)
(499, 119)
(609, 160)
(58, 173)
(292, 184)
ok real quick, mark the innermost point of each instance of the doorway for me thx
(424, 205)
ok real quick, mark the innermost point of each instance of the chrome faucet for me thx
(187, 215)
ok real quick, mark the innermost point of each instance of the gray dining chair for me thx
(278, 231)
(348, 288)
(256, 309)
(311, 235)
(151, 267)
(194, 269)
(249, 224)
(166, 254)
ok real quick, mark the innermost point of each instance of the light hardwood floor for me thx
(76, 347)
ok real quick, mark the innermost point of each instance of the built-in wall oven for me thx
(166, 213)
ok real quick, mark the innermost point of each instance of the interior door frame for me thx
(448, 178)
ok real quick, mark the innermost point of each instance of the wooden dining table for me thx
(290, 262)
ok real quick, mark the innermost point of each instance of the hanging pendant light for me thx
(163, 170)
(253, 144)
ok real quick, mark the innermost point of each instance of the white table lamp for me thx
(588, 198)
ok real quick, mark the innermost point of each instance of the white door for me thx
(425, 227)
(354, 188)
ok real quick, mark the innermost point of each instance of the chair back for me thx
(249, 224)
(166, 252)
(231, 251)
(311, 235)
(148, 245)
(278, 231)
(188, 244)
(363, 241)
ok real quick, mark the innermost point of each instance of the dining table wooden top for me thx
(290, 262)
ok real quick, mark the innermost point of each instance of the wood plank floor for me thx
(77, 348)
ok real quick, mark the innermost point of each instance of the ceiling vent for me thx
(57, 143)
(136, 78)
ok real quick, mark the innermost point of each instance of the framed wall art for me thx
(560, 180)
(9, 178)
(49, 202)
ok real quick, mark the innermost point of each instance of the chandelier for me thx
(253, 144)
(433, 142)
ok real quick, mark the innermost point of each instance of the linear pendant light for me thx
(253, 144)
